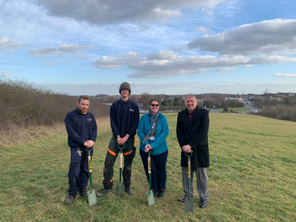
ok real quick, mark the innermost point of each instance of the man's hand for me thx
(89, 143)
(121, 141)
(187, 148)
(147, 148)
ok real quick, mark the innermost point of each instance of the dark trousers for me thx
(158, 169)
(112, 152)
(78, 170)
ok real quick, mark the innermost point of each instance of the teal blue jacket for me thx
(159, 145)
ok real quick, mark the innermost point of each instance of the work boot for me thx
(102, 192)
(129, 191)
(182, 199)
(161, 194)
(154, 193)
(69, 200)
(83, 193)
(203, 203)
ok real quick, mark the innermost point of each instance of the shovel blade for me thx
(188, 204)
(92, 198)
(119, 190)
(150, 198)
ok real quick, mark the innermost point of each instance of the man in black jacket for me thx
(82, 132)
(124, 118)
(192, 133)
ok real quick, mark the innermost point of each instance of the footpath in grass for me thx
(252, 177)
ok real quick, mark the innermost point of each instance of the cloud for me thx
(50, 63)
(286, 75)
(226, 69)
(62, 50)
(75, 48)
(6, 43)
(202, 29)
(266, 37)
(5, 74)
(46, 52)
(108, 12)
(166, 63)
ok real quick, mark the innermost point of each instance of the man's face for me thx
(83, 105)
(190, 103)
(124, 93)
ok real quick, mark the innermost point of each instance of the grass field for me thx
(252, 177)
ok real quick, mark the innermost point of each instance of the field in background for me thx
(252, 177)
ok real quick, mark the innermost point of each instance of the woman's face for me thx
(154, 106)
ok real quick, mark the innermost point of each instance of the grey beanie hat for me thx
(125, 85)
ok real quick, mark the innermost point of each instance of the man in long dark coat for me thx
(192, 133)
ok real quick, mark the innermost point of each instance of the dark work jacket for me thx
(80, 128)
(124, 118)
(194, 133)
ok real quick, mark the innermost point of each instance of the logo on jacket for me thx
(131, 110)
(88, 120)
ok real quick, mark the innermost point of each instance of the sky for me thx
(90, 47)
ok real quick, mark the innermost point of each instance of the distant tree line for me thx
(284, 108)
(222, 103)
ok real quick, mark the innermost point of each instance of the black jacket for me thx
(194, 133)
(124, 117)
(80, 128)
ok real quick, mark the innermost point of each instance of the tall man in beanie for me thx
(82, 133)
(124, 118)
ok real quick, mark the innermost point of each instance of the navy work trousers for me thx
(78, 170)
(158, 169)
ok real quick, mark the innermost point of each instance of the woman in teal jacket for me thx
(153, 130)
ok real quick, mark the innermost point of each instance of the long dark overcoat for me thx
(194, 133)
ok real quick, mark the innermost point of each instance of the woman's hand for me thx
(147, 148)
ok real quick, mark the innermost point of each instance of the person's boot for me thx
(102, 192)
(161, 193)
(69, 200)
(129, 191)
(83, 193)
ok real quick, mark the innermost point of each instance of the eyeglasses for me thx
(154, 105)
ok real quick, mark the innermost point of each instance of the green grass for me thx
(252, 177)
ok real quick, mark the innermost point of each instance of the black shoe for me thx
(154, 193)
(203, 203)
(102, 192)
(83, 193)
(69, 200)
(182, 199)
(129, 191)
(161, 194)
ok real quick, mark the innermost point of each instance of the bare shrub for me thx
(23, 105)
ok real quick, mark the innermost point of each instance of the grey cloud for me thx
(106, 62)
(50, 63)
(272, 36)
(46, 52)
(62, 50)
(75, 48)
(167, 63)
(6, 43)
(117, 11)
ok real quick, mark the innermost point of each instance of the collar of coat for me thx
(184, 117)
